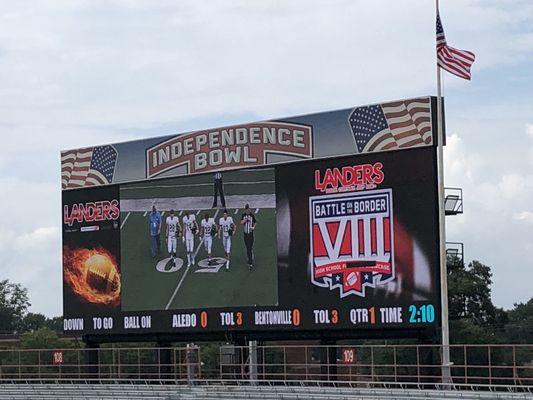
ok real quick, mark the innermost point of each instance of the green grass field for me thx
(146, 288)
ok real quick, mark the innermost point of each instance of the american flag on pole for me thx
(455, 61)
(394, 125)
(91, 166)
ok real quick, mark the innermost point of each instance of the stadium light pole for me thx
(446, 372)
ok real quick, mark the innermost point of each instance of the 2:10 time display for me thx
(421, 314)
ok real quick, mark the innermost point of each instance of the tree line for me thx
(474, 319)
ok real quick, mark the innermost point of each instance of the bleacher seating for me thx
(21, 391)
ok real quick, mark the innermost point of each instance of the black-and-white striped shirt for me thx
(218, 175)
(249, 222)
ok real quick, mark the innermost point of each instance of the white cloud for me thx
(491, 228)
(529, 130)
(512, 186)
(33, 259)
(460, 163)
(30, 240)
(530, 156)
(38, 239)
(526, 216)
(92, 64)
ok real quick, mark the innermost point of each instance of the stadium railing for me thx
(496, 367)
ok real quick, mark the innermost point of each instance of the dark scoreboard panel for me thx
(344, 245)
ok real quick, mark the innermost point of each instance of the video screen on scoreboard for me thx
(197, 256)
(342, 244)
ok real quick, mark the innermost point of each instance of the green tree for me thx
(210, 357)
(32, 322)
(14, 305)
(469, 293)
(55, 323)
(43, 338)
(467, 331)
(519, 328)
(473, 316)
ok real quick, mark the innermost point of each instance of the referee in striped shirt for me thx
(248, 223)
(219, 190)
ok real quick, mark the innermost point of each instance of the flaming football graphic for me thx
(92, 274)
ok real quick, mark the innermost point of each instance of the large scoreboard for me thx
(298, 227)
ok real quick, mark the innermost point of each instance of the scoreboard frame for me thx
(380, 279)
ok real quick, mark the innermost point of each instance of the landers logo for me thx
(91, 212)
(352, 240)
(236, 146)
(348, 179)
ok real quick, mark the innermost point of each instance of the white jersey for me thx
(208, 227)
(188, 222)
(172, 224)
(225, 224)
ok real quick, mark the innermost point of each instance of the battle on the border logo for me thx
(351, 230)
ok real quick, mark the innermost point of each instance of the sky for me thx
(77, 73)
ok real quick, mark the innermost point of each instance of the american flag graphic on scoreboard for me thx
(352, 240)
(91, 166)
(394, 125)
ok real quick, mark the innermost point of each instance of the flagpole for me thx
(446, 372)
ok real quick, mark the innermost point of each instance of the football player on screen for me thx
(155, 231)
(190, 228)
(226, 230)
(248, 222)
(173, 231)
(207, 228)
